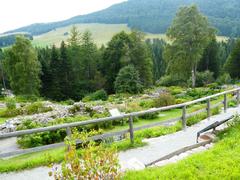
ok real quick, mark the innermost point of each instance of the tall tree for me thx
(140, 57)
(157, 48)
(210, 60)
(112, 58)
(89, 60)
(125, 49)
(55, 71)
(65, 72)
(44, 57)
(190, 33)
(22, 67)
(232, 65)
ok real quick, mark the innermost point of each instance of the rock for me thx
(59, 111)
(134, 164)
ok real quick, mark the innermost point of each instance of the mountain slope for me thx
(153, 16)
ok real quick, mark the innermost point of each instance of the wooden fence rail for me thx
(131, 117)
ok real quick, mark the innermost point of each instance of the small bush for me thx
(147, 104)
(169, 80)
(98, 95)
(68, 102)
(202, 79)
(10, 103)
(164, 99)
(35, 108)
(150, 116)
(93, 162)
(224, 79)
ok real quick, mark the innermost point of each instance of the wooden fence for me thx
(131, 117)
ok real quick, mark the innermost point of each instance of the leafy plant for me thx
(98, 95)
(164, 99)
(94, 161)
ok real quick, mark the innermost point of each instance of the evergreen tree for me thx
(140, 57)
(89, 60)
(55, 71)
(125, 49)
(65, 72)
(232, 65)
(22, 67)
(128, 81)
(156, 47)
(210, 59)
(44, 57)
(112, 58)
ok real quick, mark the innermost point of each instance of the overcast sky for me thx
(17, 13)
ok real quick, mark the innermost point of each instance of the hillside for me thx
(153, 16)
(101, 34)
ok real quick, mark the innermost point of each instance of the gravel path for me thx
(136, 158)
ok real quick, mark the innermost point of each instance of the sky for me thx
(18, 13)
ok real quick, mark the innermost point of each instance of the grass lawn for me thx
(220, 162)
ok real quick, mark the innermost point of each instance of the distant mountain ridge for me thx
(152, 16)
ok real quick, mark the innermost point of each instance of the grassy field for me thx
(101, 33)
(221, 162)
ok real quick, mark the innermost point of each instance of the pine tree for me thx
(55, 70)
(65, 72)
(128, 81)
(232, 65)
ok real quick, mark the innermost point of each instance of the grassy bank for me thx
(222, 161)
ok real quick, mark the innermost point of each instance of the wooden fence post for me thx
(238, 97)
(69, 132)
(209, 108)
(225, 103)
(131, 129)
(184, 119)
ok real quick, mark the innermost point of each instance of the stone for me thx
(134, 164)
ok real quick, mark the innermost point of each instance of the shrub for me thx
(224, 79)
(68, 102)
(128, 81)
(175, 90)
(147, 104)
(35, 108)
(98, 95)
(93, 162)
(169, 80)
(203, 78)
(150, 116)
(10, 103)
(164, 99)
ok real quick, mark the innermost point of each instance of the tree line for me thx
(127, 64)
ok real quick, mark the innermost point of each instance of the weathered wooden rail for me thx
(131, 117)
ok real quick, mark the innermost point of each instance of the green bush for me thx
(164, 99)
(98, 95)
(128, 81)
(33, 108)
(147, 104)
(203, 79)
(150, 116)
(224, 79)
(169, 80)
(10, 103)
